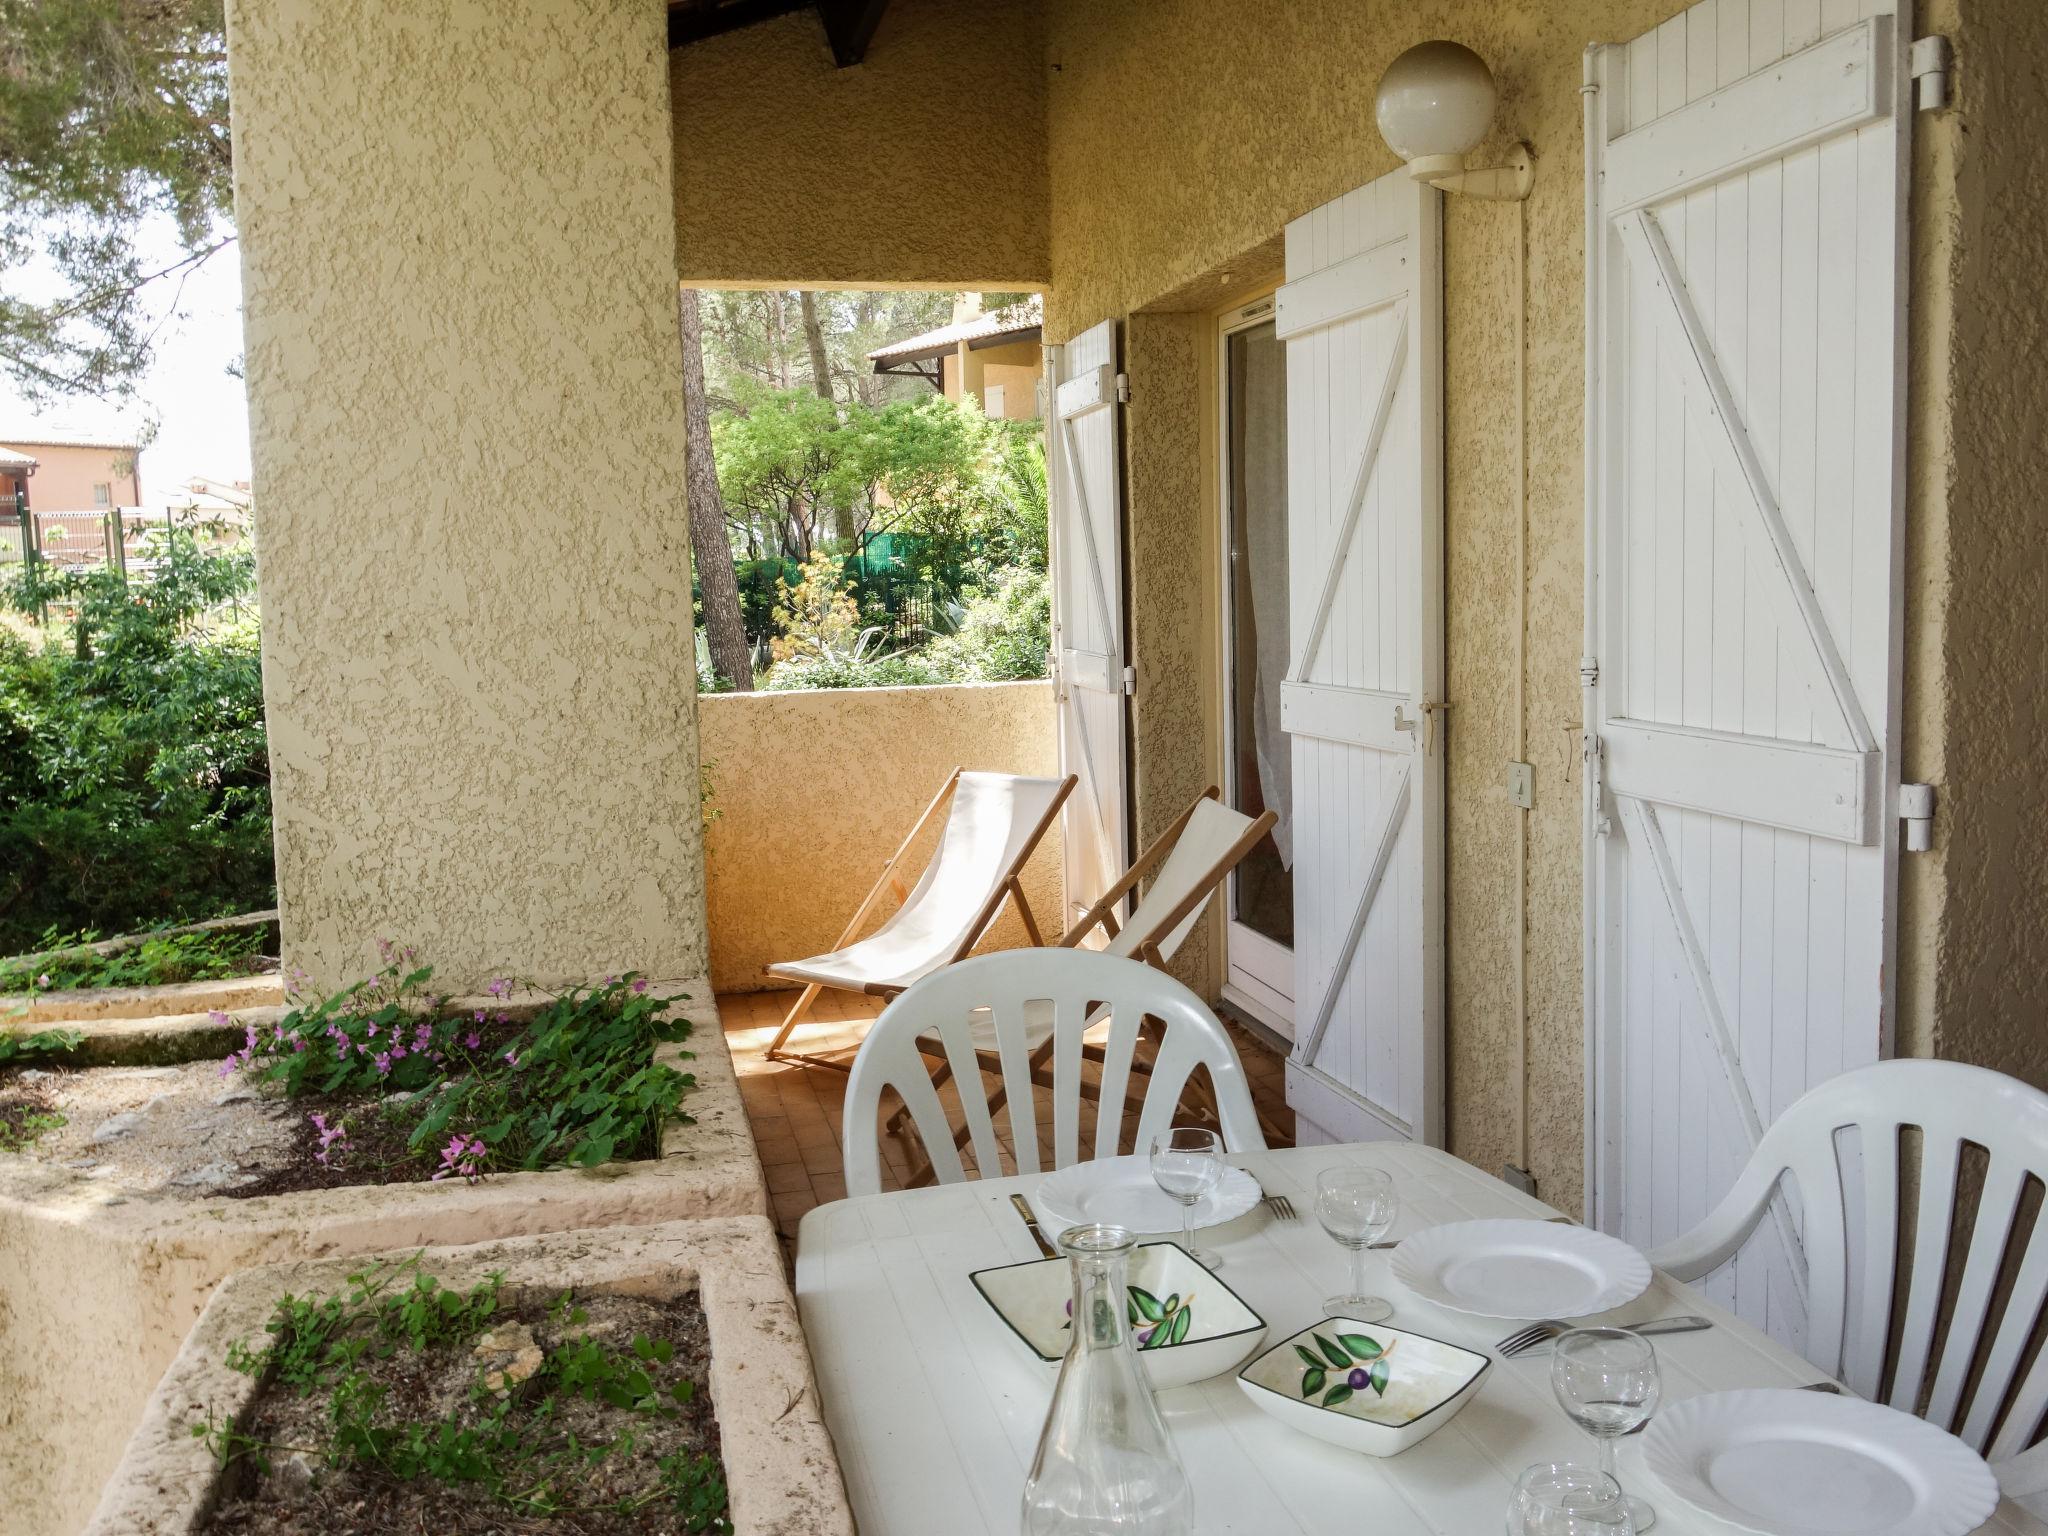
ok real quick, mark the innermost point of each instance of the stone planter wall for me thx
(779, 1462)
(99, 1284)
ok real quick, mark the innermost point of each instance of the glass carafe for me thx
(1105, 1466)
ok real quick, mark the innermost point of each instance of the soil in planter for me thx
(607, 1428)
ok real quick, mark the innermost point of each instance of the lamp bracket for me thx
(1508, 183)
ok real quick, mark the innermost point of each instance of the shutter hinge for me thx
(1123, 389)
(1589, 671)
(1929, 62)
(1130, 681)
(1916, 810)
(1595, 753)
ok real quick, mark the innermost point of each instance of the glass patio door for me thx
(1258, 771)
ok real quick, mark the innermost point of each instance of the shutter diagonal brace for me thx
(1383, 855)
(1642, 820)
(1354, 505)
(1737, 466)
(1086, 517)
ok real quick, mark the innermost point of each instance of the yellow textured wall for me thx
(1184, 135)
(922, 166)
(1978, 554)
(815, 790)
(458, 268)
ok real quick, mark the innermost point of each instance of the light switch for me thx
(1522, 785)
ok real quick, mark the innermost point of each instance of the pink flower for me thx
(640, 985)
(43, 980)
(219, 1017)
(472, 1040)
(500, 988)
(383, 1063)
(512, 1057)
(462, 1156)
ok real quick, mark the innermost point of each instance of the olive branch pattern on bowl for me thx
(1357, 1359)
(1154, 1323)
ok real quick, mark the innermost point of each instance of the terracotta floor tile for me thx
(786, 1178)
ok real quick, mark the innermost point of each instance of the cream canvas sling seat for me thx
(993, 822)
(1187, 863)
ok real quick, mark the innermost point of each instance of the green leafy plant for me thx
(505, 1442)
(1358, 1360)
(45, 1042)
(575, 1086)
(63, 961)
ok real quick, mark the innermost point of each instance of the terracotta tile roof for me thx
(14, 458)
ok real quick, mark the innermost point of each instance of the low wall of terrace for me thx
(814, 790)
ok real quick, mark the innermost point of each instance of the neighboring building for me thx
(994, 356)
(66, 472)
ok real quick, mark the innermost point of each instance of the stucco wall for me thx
(1183, 136)
(922, 166)
(458, 268)
(815, 790)
(66, 473)
(1976, 656)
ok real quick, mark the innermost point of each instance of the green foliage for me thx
(111, 112)
(134, 772)
(159, 960)
(576, 1086)
(45, 1042)
(1005, 633)
(509, 1444)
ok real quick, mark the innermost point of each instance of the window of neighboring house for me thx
(102, 494)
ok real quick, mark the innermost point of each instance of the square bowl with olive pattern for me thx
(1185, 1323)
(1364, 1386)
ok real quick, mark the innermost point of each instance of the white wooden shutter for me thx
(1746, 196)
(1361, 316)
(1088, 609)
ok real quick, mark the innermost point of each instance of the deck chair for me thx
(993, 822)
(1187, 863)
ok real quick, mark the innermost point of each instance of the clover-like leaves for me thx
(1358, 1360)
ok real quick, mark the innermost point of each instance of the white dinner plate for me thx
(1789, 1463)
(1504, 1268)
(1119, 1192)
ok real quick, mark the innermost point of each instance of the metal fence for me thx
(130, 539)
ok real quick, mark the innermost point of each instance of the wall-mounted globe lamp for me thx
(1435, 103)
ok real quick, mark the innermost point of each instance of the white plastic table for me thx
(935, 1410)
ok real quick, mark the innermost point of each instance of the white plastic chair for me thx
(1850, 1302)
(1072, 985)
(993, 823)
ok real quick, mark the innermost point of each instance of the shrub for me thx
(134, 772)
(1004, 634)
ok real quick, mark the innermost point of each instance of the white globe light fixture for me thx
(1435, 103)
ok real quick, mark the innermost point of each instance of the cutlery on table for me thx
(1523, 1340)
(1031, 1225)
(1829, 1387)
(1395, 1242)
(1279, 1207)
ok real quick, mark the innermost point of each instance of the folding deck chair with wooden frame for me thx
(993, 824)
(1188, 864)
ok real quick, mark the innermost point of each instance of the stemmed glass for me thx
(1187, 1162)
(1556, 1499)
(1606, 1379)
(1356, 1207)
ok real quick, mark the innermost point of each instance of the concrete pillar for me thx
(458, 255)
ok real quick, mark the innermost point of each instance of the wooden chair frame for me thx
(1011, 887)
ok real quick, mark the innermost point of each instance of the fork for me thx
(1280, 1207)
(1522, 1340)
(1815, 1386)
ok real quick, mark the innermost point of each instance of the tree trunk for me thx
(727, 636)
(821, 380)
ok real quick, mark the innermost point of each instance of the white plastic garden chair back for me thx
(1851, 1243)
(1072, 985)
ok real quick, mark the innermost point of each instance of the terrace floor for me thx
(795, 1110)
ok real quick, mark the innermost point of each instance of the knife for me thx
(1031, 1225)
(1395, 1242)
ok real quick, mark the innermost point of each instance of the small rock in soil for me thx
(211, 1176)
(34, 1074)
(510, 1355)
(114, 1127)
(234, 1096)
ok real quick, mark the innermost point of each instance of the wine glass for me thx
(1356, 1207)
(1606, 1379)
(1187, 1162)
(1556, 1499)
